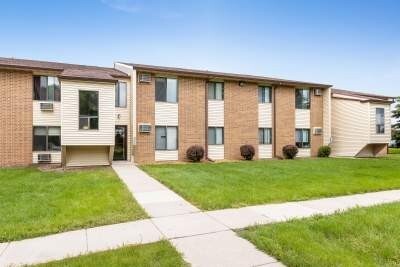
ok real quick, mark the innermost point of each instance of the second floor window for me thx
(120, 94)
(215, 91)
(215, 135)
(380, 120)
(302, 98)
(265, 136)
(167, 90)
(303, 138)
(264, 94)
(46, 138)
(46, 88)
(88, 110)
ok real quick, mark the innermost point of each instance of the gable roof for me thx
(66, 70)
(364, 97)
(228, 76)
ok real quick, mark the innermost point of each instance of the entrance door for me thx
(120, 143)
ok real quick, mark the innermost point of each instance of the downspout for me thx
(206, 121)
(274, 120)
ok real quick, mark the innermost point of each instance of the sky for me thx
(351, 44)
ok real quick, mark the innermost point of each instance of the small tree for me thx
(396, 125)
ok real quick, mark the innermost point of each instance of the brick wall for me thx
(241, 118)
(192, 121)
(145, 102)
(285, 118)
(15, 118)
(316, 119)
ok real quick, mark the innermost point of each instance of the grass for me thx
(160, 254)
(394, 150)
(360, 237)
(226, 185)
(35, 203)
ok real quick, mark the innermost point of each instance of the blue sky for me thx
(350, 44)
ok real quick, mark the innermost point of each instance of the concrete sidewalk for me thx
(204, 238)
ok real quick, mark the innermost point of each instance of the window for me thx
(303, 138)
(380, 120)
(120, 95)
(265, 136)
(303, 98)
(88, 110)
(46, 88)
(215, 135)
(215, 91)
(264, 94)
(46, 138)
(166, 138)
(167, 90)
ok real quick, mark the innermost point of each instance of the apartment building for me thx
(85, 115)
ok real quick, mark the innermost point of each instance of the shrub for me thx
(290, 151)
(324, 151)
(247, 152)
(195, 153)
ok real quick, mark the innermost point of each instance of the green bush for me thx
(324, 151)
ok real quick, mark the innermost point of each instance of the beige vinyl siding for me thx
(350, 126)
(304, 152)
(215, 113)
(265, 115)
(70, 132)
(380, 138)
(55, 156)
(327, 116)
(87, 156)
(302, 119)
(46, 118)
(166, 114)
(216, 152)
(265, 151)
(166, 155)
(123, 117)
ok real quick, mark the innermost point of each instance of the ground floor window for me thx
(303, 138)
(46, 138)
(215, 135)
(166, 138)
(265, 136)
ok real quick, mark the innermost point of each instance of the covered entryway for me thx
(120, 147)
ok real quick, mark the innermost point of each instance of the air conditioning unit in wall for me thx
(317, 130)
(144, 77)
(46, 106)
(144, 128)
(44, 158)
(317, 91)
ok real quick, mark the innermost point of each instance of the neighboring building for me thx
(361, 124)
(85, 115)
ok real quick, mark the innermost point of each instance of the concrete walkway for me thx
(204, 238)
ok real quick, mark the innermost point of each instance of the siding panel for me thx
(216, 113)
(166, 114)
(380, 138)
(55, 156)
(166, 155)
(265, 115)
(302, 118)
(265, 151)
(216, 152)
(304, 153)
(46, 118)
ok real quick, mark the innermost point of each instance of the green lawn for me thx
(34, 203)
(225, 185)
(360, 237)
(394, 150)
(159, 254)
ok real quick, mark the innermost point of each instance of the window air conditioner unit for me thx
(46, 106)
(317, 130)
(144, 128)
(317, 91)
(43, 158)
(145, 77)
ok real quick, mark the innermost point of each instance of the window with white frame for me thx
(167, 90)
(166, 138)
(215, 135)
(303, 138)
(215, 90)
(46, 138)
(264, 94)
(88, 110)
(265, 136)
(120, 94)
(302, 98)
(380, 120)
